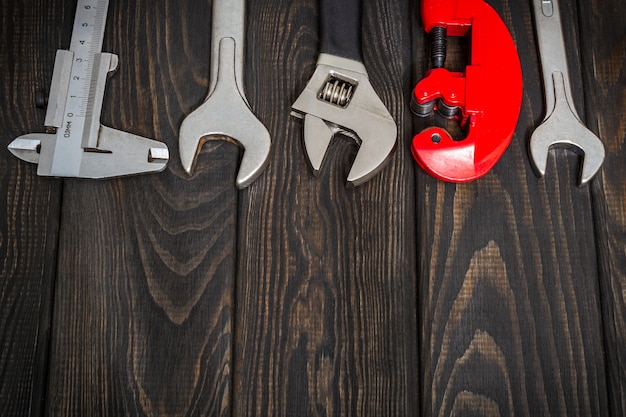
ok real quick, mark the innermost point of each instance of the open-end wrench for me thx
(76, 144)
(561, 127)
(340, 99)
(226, 112)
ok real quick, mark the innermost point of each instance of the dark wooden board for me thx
(30, 207)
(326, 301)
(175, 295)
(603, 49)
(144, 304)
(509, 298)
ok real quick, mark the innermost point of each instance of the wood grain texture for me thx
(29, 210)
(509, 299)
(603, 49)
(326, 302)
(171, 295)
(144, 303)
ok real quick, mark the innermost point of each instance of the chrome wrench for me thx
(562, 126)
(225, 112)
(78, 145)
(340, 99)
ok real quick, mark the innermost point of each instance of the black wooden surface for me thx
(173, 295)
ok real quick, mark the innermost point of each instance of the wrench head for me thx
(211, 122)
(371, 158)
(558, 132)
(340, 99)
(563, 129)
(226, 114)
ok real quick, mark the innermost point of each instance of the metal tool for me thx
(486, 98)
(77, 145)
(340, 99)
(226, 113)
(562, 126)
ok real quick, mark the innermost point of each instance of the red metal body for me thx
(488, 92)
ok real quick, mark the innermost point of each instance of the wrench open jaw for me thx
(226, 114)
(563, 129)
(486, 98)
(360, 115)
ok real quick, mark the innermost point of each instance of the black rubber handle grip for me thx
(340, 26)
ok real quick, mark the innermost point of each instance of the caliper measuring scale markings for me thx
(78, 145)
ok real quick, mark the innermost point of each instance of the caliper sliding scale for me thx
(76, 144)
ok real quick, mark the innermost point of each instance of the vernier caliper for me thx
(76, 144)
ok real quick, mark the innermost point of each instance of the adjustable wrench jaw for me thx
(485, 98)
(340, 99)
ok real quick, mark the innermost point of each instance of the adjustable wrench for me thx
(77, 145)
(226, 113)
(561, 127)
(340, 99)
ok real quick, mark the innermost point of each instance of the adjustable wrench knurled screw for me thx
(561, 126)
(226, 112)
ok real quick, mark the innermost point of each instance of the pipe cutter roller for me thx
(485, 98)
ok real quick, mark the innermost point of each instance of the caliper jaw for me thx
(94, 151)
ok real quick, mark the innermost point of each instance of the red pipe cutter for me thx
(485, 98)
